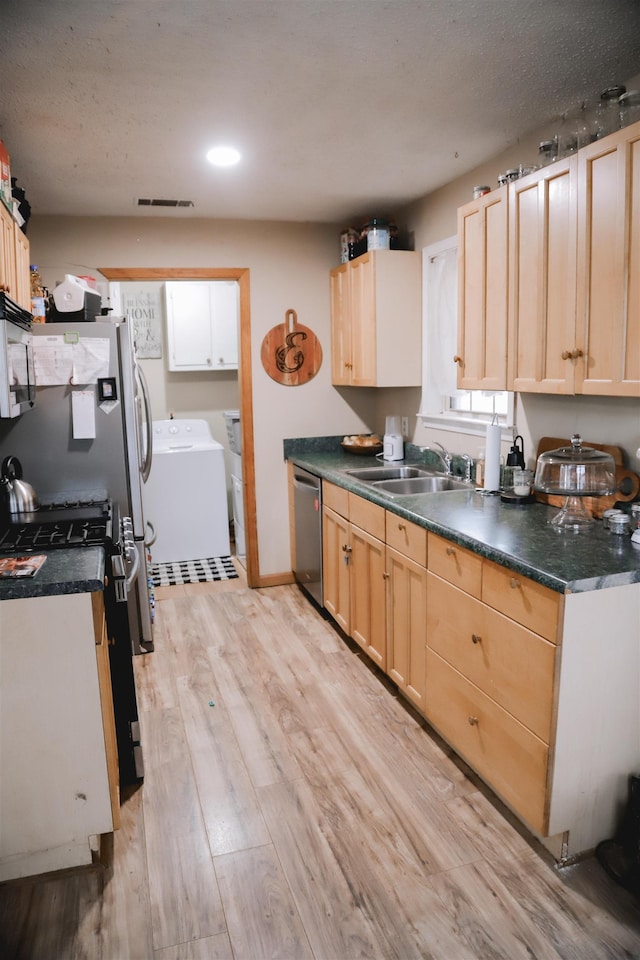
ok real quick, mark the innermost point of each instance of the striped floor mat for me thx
(192, 571)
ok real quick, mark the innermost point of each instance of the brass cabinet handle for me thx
(458, 359)
(346, 548)
(473, 721)
(475, 638)
(402, 526)
(450, 551)
(514, 584)
(385, 575)
(572, 354)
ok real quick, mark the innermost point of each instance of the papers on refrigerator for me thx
(70, 359)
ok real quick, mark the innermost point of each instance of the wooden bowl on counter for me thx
(364, 446)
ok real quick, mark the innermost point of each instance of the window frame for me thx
(429, 416)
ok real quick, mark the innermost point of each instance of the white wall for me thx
(289, 268)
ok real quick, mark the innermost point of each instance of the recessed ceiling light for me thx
(223, 156)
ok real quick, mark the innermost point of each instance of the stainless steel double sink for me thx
(405, 480)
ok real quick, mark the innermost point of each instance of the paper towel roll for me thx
(492, 458)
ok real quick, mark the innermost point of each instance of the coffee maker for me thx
(393, 442)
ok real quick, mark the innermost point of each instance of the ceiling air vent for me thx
(144, 202)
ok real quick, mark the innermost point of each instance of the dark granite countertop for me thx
(518, 537)
(64, 571)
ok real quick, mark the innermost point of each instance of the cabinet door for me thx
(482, 293)
(608, 308)
(542, 286)
(362, 309)
(512, 665)
(23, 272)
(224, 306)
(509, 757)
(7, 252)
(336, 567)
(368, 601)
(202, 324)
(407, 625)
(340, 326)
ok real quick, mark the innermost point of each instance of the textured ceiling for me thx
(340, 107)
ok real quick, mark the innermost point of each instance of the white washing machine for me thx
(185, 497)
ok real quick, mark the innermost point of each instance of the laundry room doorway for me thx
(244, 373)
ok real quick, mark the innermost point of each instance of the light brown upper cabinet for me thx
(608, 289)
(14, 260)
(482, 293)
(376, 320)
(542, 280)
(572, 241)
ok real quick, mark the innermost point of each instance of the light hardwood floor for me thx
(294, 807)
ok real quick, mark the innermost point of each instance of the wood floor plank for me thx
(125, 929)
(266, 752)
(335, 916)
(377, 857)
(428, 826)
(262, 918)
(57, 917)
(488, 917)
(493, 833)
(185, 900)
(211, 948)
(560, 903)
(230, 808)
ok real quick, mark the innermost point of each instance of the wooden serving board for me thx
(628, 481)
(291, 353)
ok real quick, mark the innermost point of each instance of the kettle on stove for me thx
(17, 495)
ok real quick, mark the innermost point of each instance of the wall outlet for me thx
(405, 426)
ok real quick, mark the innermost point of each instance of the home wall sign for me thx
(291, 353)
(142, 306)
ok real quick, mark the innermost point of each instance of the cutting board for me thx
(628, 481)
(291, 353)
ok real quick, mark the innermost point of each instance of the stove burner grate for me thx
(60, 530)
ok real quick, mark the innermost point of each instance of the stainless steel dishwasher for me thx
(307, 503)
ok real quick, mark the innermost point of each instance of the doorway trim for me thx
(241, 274)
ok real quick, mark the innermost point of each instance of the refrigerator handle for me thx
(145, 466)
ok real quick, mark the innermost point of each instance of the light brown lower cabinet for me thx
(490, 677)
(534, 689)
(353, 568)
(406, 569)
(374, 569)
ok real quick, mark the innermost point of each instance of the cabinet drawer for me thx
(511, 759)
(337, 498)
(459, 566)
(524, 600)
(366, 515)
(509, 663)
(407, 538)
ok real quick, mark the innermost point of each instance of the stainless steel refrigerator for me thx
(114, 461)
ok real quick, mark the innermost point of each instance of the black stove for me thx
(60, 525)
